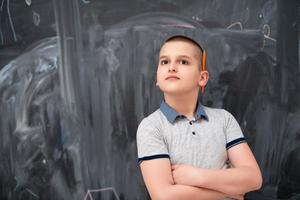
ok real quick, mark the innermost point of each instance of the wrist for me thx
(199, 179)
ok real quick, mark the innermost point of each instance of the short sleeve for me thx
(233, 132)
(150, 142)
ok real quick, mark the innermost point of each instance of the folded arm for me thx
(160, 184)
(244, 177)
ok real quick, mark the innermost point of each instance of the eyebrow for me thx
(181, 56)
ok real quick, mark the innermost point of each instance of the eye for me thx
(183, 62)
(164, 62)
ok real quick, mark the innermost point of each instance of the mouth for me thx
(172, 78)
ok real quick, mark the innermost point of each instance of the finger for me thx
(174, 167)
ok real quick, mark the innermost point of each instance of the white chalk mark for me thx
(197, 19)
(36, 18)
(16, 187)
(267, 34)
(179, 25)
(266, 27)
(270, 38)
(86, 1)
(27, 189)
(89, 192)
(1, 8)
(266, 31)
(235, 24)
(28, 2)
(247, 15)
(32, 193)
(10, 21)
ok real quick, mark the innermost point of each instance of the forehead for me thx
(180, 46)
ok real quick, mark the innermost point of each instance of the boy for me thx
(183, 147)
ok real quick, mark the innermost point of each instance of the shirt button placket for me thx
(193, 132)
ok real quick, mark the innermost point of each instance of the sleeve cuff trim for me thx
(235, 142)
(153, 157)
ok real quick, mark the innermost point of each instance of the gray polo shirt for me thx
(202, 142)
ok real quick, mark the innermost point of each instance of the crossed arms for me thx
(164, 181)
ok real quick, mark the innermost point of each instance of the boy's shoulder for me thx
(210, 110)
(154, 119)
(213, 113)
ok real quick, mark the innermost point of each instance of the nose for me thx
(172, 67)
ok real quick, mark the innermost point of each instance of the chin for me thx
(172, 91)
(176, 91)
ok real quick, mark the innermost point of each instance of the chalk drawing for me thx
(235, 24)
(10, 21)
(266, 30)
(247, 15)
(5, 13)
(28, 2)
(32, 193)
(86, 1)
(90, 197)
(36, 18)
(1, 8)
(27, 189)
(197, 19)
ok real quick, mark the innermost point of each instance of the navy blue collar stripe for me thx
(172, 115)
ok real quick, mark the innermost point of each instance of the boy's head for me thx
(180, 68)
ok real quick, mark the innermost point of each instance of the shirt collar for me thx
(172, 115)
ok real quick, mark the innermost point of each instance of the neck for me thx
(184, 104)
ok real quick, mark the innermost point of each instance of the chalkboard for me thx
(77, 77)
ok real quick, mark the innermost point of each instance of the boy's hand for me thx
(185, 174)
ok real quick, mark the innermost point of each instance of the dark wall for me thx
(70, 105)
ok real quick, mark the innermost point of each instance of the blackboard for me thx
(77, 77)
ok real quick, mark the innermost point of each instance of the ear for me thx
(203, 79)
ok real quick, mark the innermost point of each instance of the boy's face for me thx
(179, 66)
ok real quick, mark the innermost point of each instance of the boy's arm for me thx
(160, 185)
(244, 177)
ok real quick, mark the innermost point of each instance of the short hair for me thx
(175, 37)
